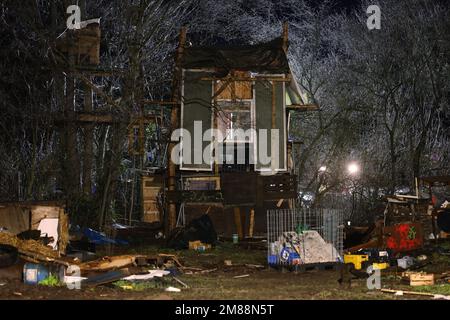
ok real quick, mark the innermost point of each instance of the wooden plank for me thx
(109, 263)
(436, 179)
(150, 189)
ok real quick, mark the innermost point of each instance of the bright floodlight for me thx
(323, 169)
(353, 168)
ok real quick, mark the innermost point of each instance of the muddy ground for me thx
(218, 283)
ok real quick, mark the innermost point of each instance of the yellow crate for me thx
(356, 259)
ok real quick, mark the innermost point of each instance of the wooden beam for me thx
(274, 107)
(303, 107)
(249, 79)
(251, 223)
(215, 126)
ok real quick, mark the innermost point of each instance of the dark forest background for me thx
(383, 94)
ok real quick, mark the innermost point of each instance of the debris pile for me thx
(57, 258)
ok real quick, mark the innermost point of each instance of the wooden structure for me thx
(233, 90)
(83, 43)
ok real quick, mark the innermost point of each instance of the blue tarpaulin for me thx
(100, 238)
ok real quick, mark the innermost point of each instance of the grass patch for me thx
(436, 289)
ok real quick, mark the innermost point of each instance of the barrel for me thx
(34, 273)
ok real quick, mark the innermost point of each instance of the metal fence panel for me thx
(304, 236)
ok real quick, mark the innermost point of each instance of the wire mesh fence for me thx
(304, 236)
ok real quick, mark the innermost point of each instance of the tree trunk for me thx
(88, 145)
(72, 168)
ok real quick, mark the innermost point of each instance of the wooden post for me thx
(238, 222)
(273, 141)
(252, 223)
(88, 144)
(177, 78)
